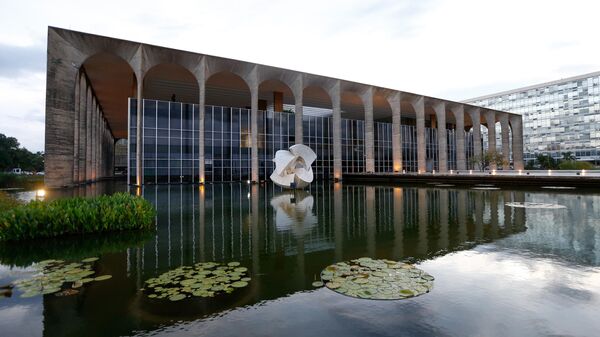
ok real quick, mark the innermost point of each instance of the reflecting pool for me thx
(499, 270)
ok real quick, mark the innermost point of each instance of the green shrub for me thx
(575, 165)
(7, 202)
(42, 219)
(9, 180)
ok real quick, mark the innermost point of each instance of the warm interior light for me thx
(470, 171)
(451, 171)
(433, 172)
(582, 172)
(520, 172)
(494, 172)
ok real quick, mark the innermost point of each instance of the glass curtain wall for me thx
(383, 147)
(227, 145)
(170, 151)
(353, 149)
(318, 135)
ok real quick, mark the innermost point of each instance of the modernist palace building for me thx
(194, 118)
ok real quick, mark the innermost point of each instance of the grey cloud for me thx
(15, 60)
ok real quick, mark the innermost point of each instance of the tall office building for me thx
(559, 116)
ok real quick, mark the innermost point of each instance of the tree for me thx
(487, 158)
(546, 162)
(13, 155)
(568, 156)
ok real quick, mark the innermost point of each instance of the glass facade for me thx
(558, 116)
(170, 148)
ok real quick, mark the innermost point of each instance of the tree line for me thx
(12, 155)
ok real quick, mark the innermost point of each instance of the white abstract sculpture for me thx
(292, 168)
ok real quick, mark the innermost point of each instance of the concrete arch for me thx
(153, 56)
(230, 85)
(215, 65)
(275, 93)
(316, 96)
(112, 85)
(164, 80)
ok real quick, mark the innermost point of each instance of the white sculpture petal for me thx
(292, 168)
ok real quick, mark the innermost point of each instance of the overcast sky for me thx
(449, 49)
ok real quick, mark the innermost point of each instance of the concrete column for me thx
(201, 75)
(138, 136)
(367, 98)
(459, 116)
(76, 129)
(505, 141)
(88, 135)
(476, 120)
(335, 95)
(298, 109)
(395, 104)
(419, 106)
(440, 113)
(254, 124)
(490, 121)
(82, 128)
(516, 122)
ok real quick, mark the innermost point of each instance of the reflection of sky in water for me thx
(500, 271)
(482, 292)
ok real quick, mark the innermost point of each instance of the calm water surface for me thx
(500, 271)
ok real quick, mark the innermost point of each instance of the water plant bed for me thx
(59, 277)
(106, 213)
(205, 279)
(376, 279)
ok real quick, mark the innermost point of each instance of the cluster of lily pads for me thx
(558, 187)
(205, 279)
(52, 275)
(535, 205)
(376, 279)
(485, 188)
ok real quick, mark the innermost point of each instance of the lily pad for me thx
(205, 279)
(90, 259)
(52, 276)
(317, 284)
(376, 279)
(102, 277)
(177, 297)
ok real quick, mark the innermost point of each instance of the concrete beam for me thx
(516, 122)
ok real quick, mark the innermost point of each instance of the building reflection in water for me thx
(224, 222)
(285, 238)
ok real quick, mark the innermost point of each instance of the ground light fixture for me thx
(40, 194)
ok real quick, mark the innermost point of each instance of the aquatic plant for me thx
(376, 279)
(7, 202)
(106, 213)
(51, 276)
(535, 205)
(204, 279)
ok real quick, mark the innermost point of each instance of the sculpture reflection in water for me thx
(294, 211)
